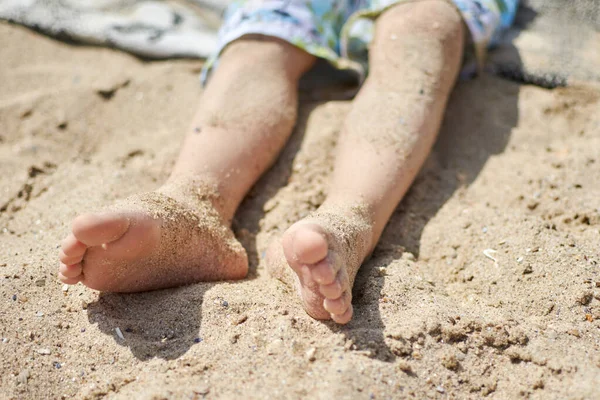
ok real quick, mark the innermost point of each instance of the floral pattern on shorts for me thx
(340, 30)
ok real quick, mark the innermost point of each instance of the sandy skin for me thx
(180, 234)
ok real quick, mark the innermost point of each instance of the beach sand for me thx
(486, 281)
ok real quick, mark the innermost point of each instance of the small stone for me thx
(198, 340)
(408, 256)
(574, 332)
(311, 354)
(382, 271)
(23, 377)
(202, 391)
(44, 352)
(585, 298)
(224, 303)
(241, 319)
(404, 366)
(519, 259)
(440, 389)
(275, 346)
(39, 314)
(65, 288)
(40, 282)
(57, 365)
(234, 338)
(527, 270)
(119, 333)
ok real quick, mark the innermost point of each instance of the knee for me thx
(265, 53)
(428, 22)
(425, 37)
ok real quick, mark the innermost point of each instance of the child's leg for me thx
(414, 60)
(180, 233)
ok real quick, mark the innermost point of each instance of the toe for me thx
(69, 260)
(343, 318)
(72, 247)
(332, 291)
(324, 272)
(97, 229)
(70, 271)
(309, 244)
(338, 306)
(69, 281)
(337, 288)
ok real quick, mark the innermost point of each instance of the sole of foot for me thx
(320, 256)
(151, 241)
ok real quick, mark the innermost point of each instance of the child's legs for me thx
(180, 233)
(246, 115)
(414, 60)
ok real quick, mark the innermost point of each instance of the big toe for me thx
(98, 229)
(305, 244)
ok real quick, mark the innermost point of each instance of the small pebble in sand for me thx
(40, 282)
(65, 288)
(528, 269)
(14, 297)
(57, 365)
(519, 259)
(119, 333)
(44, 352)
(311, 354)
(39, 314)
(440, 389)
(203, 390)
(274, 347)
(23, 377)
(404, 366)
(408, 256)
(488, 253)
(241, 319)
(198, 340)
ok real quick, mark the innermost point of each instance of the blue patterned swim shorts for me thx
(340, 31)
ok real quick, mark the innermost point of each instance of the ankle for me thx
(359, 215)
(194, 190)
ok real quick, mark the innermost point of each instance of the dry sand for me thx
(516, 170)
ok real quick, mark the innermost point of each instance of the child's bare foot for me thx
(167, 238)
(325, 252)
